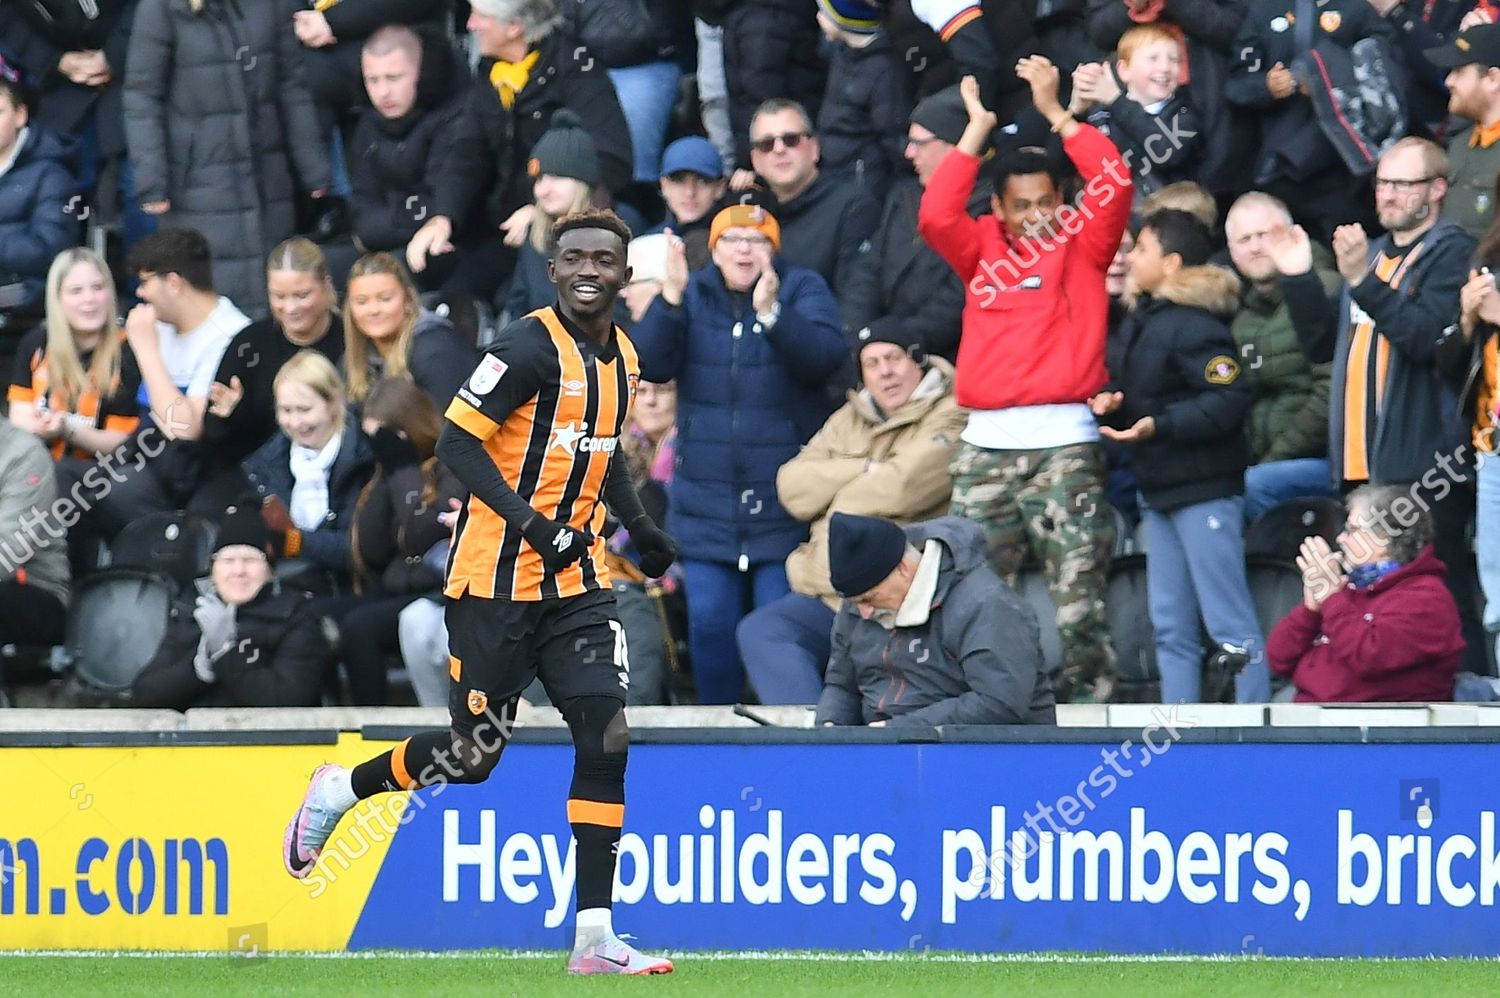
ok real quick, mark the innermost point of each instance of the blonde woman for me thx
(387, 334)
(76, 387)
(76, 381)
(309, 476)
(304, 316)
(564, 167)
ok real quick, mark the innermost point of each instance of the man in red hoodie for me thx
(1031, 355)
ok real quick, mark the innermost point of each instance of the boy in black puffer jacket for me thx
(862, 123)
(1177, 397)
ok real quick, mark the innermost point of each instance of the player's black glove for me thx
(656, 549)
(559, 544)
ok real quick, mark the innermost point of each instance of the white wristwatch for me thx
(770, 318)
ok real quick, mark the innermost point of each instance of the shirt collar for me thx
(1484, 136)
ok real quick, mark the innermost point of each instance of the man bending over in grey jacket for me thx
(928, 634)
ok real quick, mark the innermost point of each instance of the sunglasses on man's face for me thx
(789, 139)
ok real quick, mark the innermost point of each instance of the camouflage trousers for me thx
(1049, 504)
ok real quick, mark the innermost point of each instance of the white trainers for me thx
(612, 955)
(310, 827)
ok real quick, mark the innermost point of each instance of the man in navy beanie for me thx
(928, 634)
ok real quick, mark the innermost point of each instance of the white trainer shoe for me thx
(310, 827)
(612, 955)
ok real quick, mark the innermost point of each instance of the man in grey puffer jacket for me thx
(928, 634)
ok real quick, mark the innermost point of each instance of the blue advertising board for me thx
(1162, 847)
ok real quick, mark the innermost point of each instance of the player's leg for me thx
(484, 688)
(585, 665)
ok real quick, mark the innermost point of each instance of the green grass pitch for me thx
(497, 975)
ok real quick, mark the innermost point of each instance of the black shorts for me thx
(496, 647)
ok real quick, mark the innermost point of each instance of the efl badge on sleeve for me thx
(1222, 370)
(1330, 20)
(487, 375)
(477, 702)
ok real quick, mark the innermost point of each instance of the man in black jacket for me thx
(823, 222)
(244, 642)
(896, 274)
(1390, 420)
(407, 193)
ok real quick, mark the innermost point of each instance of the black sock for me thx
(597, 845)
(403, 767)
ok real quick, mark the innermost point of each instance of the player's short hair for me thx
(776, 105)
(592, 218)
(1434, 157)
(1181, 233)
(183, 252)
(394, 38)
(1140, 36)
(1250, 200)
(1022, 162)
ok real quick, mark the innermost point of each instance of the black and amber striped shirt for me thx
(1367, 366)
(31, 384)
(549, 404)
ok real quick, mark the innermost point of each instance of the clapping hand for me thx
(767, 286)
(1478, 301)
(223, 398)
(674, 282)
(1322, 573)
(1044, 80)
(1290, 250)
(1351, 249)
(1281, 82)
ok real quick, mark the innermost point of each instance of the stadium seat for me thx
(1279, 532)
(1275, 587)
(177, 545)
(117, 622)
(1130, 631)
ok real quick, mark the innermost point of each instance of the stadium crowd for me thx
(953, 319)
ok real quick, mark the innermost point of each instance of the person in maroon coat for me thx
(1377, 623)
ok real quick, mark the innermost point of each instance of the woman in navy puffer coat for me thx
(751, 343)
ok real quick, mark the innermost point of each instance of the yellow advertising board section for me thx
(179, 849)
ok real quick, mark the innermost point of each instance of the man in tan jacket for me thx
(885, 453)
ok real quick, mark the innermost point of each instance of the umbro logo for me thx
(563, 540)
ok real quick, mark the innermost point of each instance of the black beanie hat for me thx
(242, 524)
(889, 329)
(942, 114)
(566, 150)
(862, 551)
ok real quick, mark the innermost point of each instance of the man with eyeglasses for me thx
(897, 275)
(823, 222)
(1473, 65)
(1390, 420)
